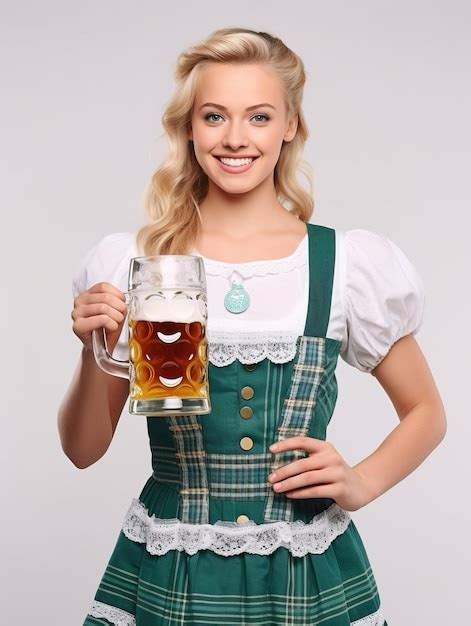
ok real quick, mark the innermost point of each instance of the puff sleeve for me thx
(107, 260)
(384, 298)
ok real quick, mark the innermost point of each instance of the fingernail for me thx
(272, 476)
(273, 447)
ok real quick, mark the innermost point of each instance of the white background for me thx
(83, 86)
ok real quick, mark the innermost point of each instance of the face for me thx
(246, 118)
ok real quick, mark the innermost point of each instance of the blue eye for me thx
(262, 115)
(212, 115)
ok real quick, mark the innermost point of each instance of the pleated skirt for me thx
(334, 588)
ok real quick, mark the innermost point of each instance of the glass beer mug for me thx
(167, 316)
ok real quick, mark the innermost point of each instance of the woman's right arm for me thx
(91, 407)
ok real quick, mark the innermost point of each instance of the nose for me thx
(235, 136)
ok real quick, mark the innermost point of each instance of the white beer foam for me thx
(156, 308)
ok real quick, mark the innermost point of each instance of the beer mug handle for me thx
(104, 359)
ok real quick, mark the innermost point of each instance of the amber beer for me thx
(167, 311)
(168, 359)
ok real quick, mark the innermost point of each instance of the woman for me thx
(287, 550)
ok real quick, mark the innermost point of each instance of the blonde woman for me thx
(245, 518)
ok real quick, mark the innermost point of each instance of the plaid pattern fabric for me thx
(166, 466)
(234, 476)
(190, 453)
(239, 476)
(335, 588)
(200, 475)
(297, 413)
(201, 471)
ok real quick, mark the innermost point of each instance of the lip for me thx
(231, 169)
(233, 156)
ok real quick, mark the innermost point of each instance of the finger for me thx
(89, 308)
(98, 298)
(92, 310)
(313, 477)
(109, 298)
(300, 442)
(319, 491)
(296, 467)
(106, 287)
(85, 325)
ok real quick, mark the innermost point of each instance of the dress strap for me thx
(321, 277)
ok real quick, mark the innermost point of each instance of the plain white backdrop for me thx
(83, 88)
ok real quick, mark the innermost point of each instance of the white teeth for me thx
(235, 162)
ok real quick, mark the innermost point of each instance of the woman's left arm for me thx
(406, 378)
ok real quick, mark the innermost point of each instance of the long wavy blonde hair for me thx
(175, 190)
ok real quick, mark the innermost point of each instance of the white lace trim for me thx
(230, 538)
(112, 614)
(374, 619)
(258, 268)
(224, 347)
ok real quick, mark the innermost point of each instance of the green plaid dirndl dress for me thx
(208, 541)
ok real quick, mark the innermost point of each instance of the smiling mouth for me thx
(235, 161)
(231, 165)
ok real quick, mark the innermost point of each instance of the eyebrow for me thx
(254, 106)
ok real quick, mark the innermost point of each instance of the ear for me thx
(189, 132)
(292, 128)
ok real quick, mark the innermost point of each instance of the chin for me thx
(235, 189)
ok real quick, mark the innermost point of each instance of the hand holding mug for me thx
(100, 306)
(167, 364)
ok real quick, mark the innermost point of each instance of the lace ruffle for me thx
(115, 616)
(230, 538)
(374, 619)
(250, 347)
(258, 268)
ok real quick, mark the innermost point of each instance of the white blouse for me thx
(378, 297)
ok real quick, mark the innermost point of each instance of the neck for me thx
(239, 213)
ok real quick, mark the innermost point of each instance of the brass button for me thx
(250, 366)
(246, 412)
(247, 392)
(242, 519)
(246, 443)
